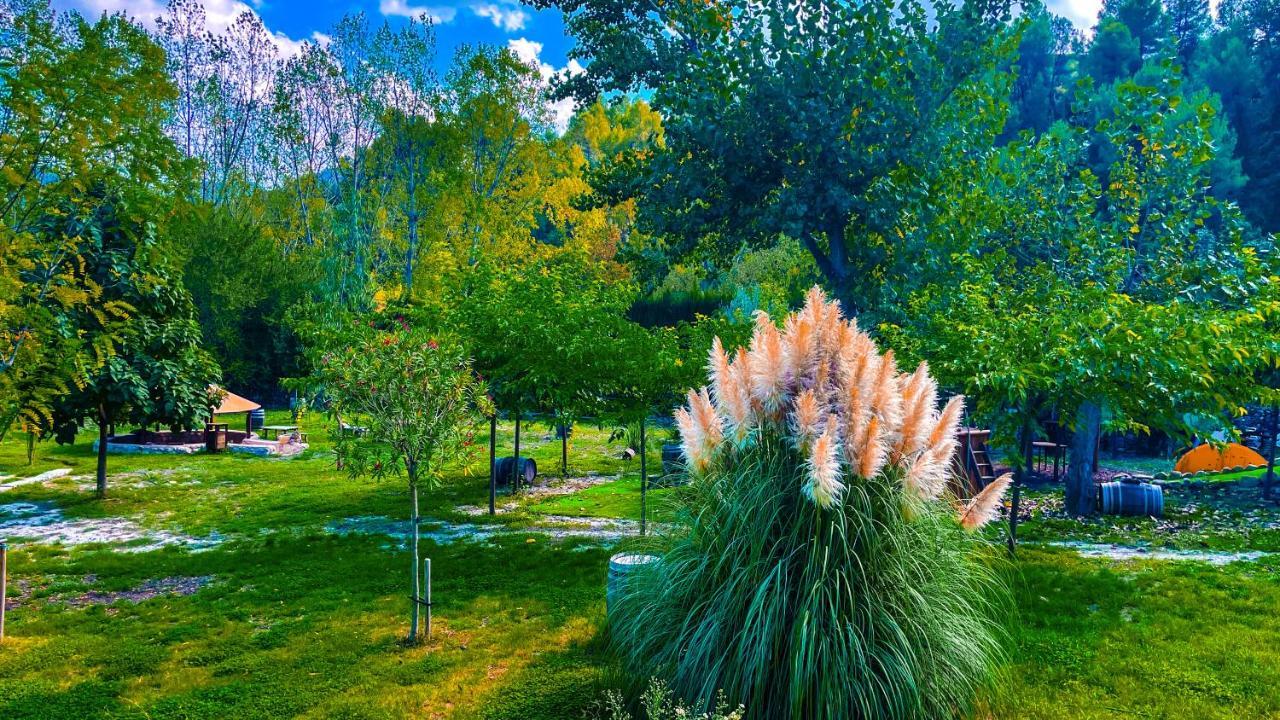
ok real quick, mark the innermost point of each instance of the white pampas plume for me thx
(718, 367)
(805, 418)
(768, 366)
(799, 346)
(734, 402)
(982, 508)
(872, 455)
(919, 395)
(886, 399)
(927, 474)
(700, 430)
(824, 486)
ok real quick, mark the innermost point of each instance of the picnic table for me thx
(275, 430)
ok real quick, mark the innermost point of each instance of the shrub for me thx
(821, 573)
(658, 703)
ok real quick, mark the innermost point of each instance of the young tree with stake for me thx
(419, 400)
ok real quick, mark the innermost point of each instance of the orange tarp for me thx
(1206, 457)
(233, 403)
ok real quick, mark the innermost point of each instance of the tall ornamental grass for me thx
(824, 572)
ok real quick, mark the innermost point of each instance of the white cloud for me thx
(1082, 13)
(529, 52)
(401, 8)
(525, 49)
(219, 15)
(508, 17)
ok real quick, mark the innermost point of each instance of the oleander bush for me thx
(822, 570)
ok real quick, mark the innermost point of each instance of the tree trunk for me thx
(493, 470)
(102, 451)
(644, 481)
(1024, 442)
(417, 577)
(516, 469)
(564, 451)
(1081, 463)
(1273, 426)
(411, 254)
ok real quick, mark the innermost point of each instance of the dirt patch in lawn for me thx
(170, 586)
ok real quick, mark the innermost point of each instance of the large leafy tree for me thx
(814, 120)
(83, 106)
(1096, 273)
(160, 375)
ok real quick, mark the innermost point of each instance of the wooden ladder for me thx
(982, 464)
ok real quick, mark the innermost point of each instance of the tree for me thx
(83, 108)
(496, 105)
(1041, 94)
(817, 121)
(1114, 53)
(418, 400)
(1096, 273)
(1144, 19)
(1189, 20)
(160, 374)
(245, 289)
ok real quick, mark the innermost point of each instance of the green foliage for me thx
(83, 105)
(416, 395)
(246, 293)
(552, 334)
(818, 125)
(159, 375)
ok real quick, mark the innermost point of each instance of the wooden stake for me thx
(4, 584)
(427, 562)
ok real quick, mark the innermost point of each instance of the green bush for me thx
(820, 572)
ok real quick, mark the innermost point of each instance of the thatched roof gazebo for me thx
(233, 404)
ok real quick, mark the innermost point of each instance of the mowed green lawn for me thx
(295, 621)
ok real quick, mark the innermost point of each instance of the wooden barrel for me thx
(621, 567)
(1128, 497)
(257, 418)
(506, 470)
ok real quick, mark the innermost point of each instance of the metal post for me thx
(4, 584)
(493, 462)
(644, 480)
(427, 562)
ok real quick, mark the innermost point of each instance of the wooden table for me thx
(1044, 451)
(277, 429)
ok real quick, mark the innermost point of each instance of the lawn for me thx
(288, 619)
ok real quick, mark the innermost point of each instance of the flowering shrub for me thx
(824, 573)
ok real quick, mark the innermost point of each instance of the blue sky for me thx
(534, 34)
(500, 22)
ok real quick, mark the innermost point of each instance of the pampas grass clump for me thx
(822, 572)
